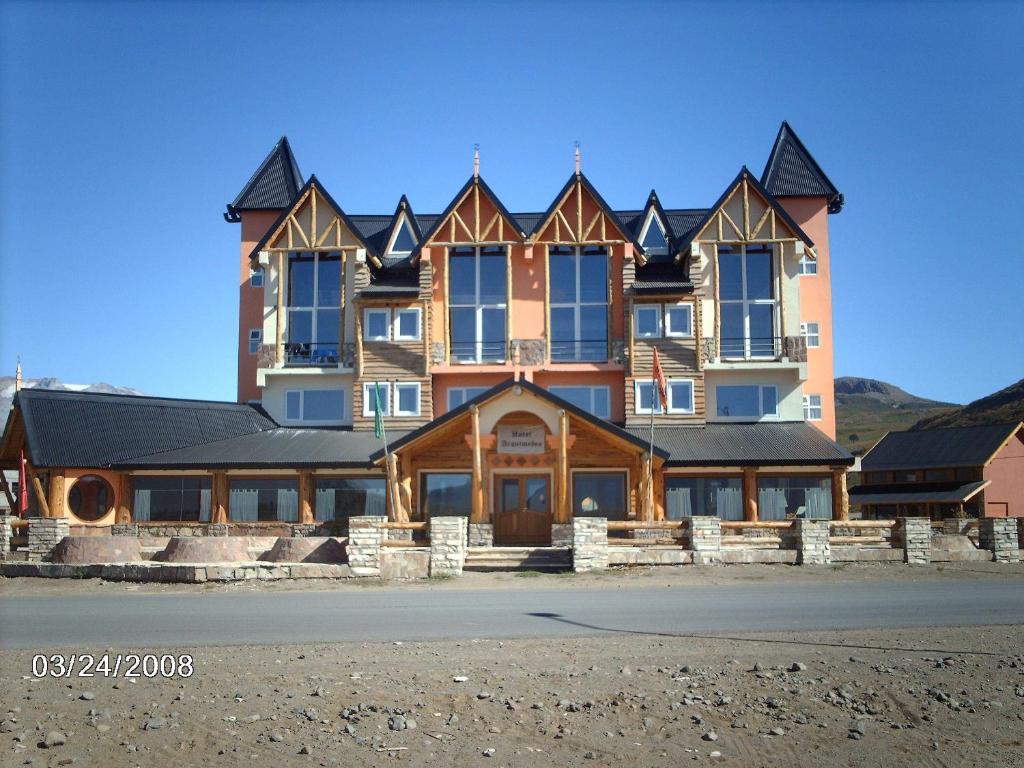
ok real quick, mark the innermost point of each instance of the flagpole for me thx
(650, 461)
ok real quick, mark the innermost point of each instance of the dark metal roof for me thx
(273, 185)
(792, 171)
(762, 444)
(916, 493)
(73, 429)
(659, 277)
(394, 279)
(938, 448)
(283, 448)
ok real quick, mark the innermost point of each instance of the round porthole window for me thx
(91, 498)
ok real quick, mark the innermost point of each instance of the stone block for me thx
(561, 535)
(812, 542)
(481, 535)
(706, 540)
(44, 533)
(999, 535)
(6, 532)
(589, 544)
(915, 534)
(448, 539)
(365, 538)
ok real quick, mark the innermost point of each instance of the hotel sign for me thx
(521, 440)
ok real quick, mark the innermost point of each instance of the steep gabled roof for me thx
(274, 184)
(791, 171)
(944, 448)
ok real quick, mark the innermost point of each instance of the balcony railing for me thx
(469, 352)
(579, 351)
(758, 348)
(309, 353)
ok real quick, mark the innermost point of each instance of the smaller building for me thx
(975, 471)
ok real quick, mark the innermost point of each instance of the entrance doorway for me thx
(522, 510)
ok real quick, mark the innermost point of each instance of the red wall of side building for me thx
(250, 301)
(1005, 496)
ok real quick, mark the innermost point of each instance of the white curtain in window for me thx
(204, 505)
(679, 503)
(819, 504)
(244, 505)
(287, 505)
(140, 510)
(324, 504)
(771, 504)
(375, 505)
(730, 503)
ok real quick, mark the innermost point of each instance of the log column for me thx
(563, 514)
(840, 498)
(279, 324)
(125, 499)
(477, 500)
(306, 498)
(395, 512)
(647, 505)
(56, 500)
(750, 494)
(219, 500)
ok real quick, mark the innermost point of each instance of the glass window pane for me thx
(376, 325)
(680, 395)
(509, 494)
(562, 278)
(493, 277)
(594, 278)
(327, 326)
(404, 241)
(563, 333)
(654, 237)
(493, 334)
(760, 282)
(462, 277)
(703, 496)
(323, 405)
(599, 494)
(602, 406)
(409, 324)
(408, 399)
(370, 398)
(647, 321)
(593, 333)
(679, 320)
(456, 397)
(328, 286)
(732, 330)
(782, 497)
(300, 326)
(645, 397)
(293, 405)
(737, 401)
(578, 396)
(264, 500)
(463, 333)
(536, 493)
(300, 280)
(338, 498)
(762, 330)
(769, 401)
(730, 275)
(446, 494)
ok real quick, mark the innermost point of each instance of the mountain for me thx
(7, 389)
(1006, 405)
(868, 408)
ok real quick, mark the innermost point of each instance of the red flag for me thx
(22, 487)
(659, 380)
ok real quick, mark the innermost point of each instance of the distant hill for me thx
(868, 408)
(1004, 406)
(7, 390)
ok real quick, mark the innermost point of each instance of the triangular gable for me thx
(580, 215)
(792, 171)
(655, 234)
(475, 215)
(404, 234)
(314, 222)
(273, 186)
(746, 212)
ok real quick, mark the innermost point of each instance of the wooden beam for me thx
(563, 514)
(647, 487)
(718, 304)
(125, 500)
(37, 486)
(219, 511)
(56, 497)
(9, 493)
(750, 494)
(477, 500)
(395, 510)
(840, 498)
(279, 319)
(307, 493)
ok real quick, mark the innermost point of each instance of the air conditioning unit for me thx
(360, 255)
(264, 258)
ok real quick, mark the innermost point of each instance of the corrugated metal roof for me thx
(915, 493)
(274, 184)
(937, 448)
(762, 444)
(660, 276)
(275, 448)
(792, 171)
(72, 429)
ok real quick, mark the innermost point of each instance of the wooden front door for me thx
(523, 510)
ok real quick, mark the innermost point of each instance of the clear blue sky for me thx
(127, 127)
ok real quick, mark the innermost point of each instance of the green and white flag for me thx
(378, 412)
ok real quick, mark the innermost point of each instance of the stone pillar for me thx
(706, 539)
(589, 544)
(812, 545)
(6, 532)
(365, 537)
(916, 535)
(999, 534)
(44, 533)
(561, 535)
(481, 535)
(447, 545)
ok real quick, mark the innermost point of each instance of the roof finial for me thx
(577, 145)
(476, 161)
(17, 377)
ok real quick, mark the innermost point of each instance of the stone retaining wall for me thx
(589, 544)
(999, 534)
(172, 573)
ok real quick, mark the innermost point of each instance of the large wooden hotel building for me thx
(513, 354)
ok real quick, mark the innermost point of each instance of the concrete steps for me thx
(518, 559)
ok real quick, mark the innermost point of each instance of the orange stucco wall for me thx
(1005, 496)
(250, 301)
(816, 307)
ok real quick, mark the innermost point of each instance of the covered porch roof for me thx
(916, 493)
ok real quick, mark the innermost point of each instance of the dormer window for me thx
(403, 241)
(652, 237)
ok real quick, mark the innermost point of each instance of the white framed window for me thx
(407, 398)
(314, 406)
(652, 236)
(255, 278)
(679, 320)
(255, 340)
(407, 324)
(459, 395)
(746, 402)
(811, 333)
(376, 324)
(680, 396)
(370, 402)
(594, 400)
(647, 321)
(808, 266)
(812, 407)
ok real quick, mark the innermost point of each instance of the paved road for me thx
(144, 621)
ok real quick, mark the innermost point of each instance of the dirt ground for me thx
(921, 697)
